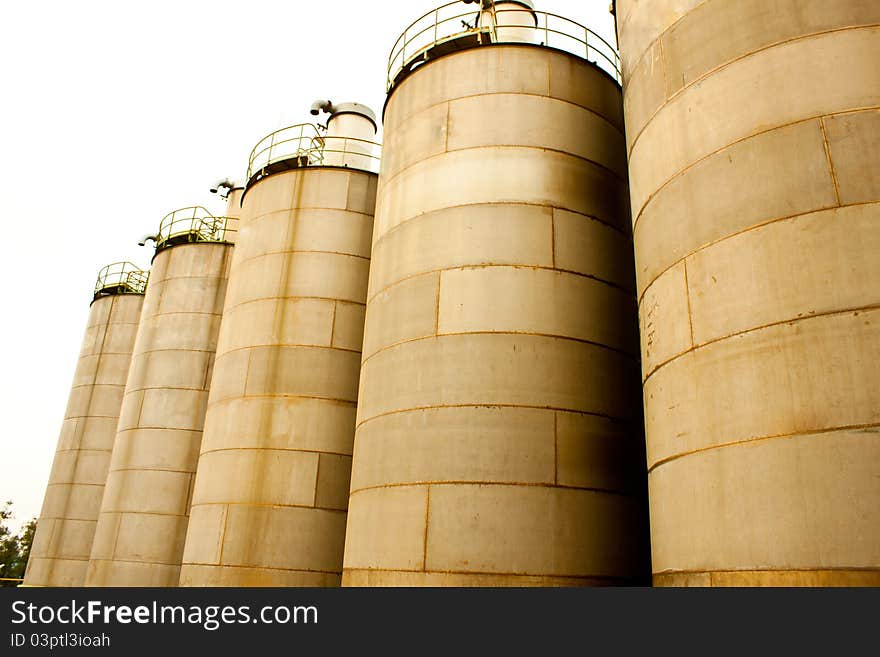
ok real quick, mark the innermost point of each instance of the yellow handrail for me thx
(305, 144)
(195, 224)
(550, 30)
(122, 278)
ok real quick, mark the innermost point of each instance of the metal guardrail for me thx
(450, 22)
(305, 146)
(193, 224)
(121, 278)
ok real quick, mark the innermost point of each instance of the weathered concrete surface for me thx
(754, 167)
(271, 495)
(145, 509)
(66, 528)
(499, 439)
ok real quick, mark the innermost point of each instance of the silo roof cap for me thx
(356, 108)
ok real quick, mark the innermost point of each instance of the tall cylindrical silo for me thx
(66, 527)
(499, 435)
(754, 137)
(270, 498)
(144, 513)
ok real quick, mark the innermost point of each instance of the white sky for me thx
(113, 114)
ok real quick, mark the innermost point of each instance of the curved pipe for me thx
(146, 238)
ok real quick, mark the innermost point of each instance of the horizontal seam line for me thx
(508, 484)
(482, 573)
(681, 172)
(272, 449)
(742, 231)
(570, 272)
(623, 231)
(489, 405)
(747, 441)
(435, 336)
(445, 101)
(755, 329)
(244, 566)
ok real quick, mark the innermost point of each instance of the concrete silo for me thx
(754, 137)
(270, 497)
(499, 436)
(141, 529)
(66, 527)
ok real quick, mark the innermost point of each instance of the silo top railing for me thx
(453, 26)
(193, 224)
(303, 145)
(121, 278)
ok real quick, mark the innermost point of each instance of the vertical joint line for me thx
(830, 161)
(553, 237)
(317, 478)
(687, 294)
(437, 307)
(555, 447)
(425, 538)
(663, 68)
(223, 535)
(333, 323)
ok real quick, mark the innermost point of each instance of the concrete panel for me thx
(598, 453)
(168, 492)
(525, 300)
(182, 331)
(386, 528)
(334, 478)
(553, 531)
(158, 449)
(687, 129)
(819, 263)
(208, 521)
(283, 478)
(586, 246)
(468, 444)
(786, 379)
(194, 575)
(854, 144)
(665, 319)
(533, 121)
(184, 369)
(173, 409)
(94, 401)
(519, 175)
(419, 136)
(498, 369)
(278, 321)
(645, 92)
(777, 174)
(326, 275)
(405, 311)
(132, 573)
(807, 502)
(150, 538)
(462, 236)
(386, 578)
(80, 467)
(481, 71)
(348, 326)
(305, 371)
(262, 536)
(317, 425)
(641, 22)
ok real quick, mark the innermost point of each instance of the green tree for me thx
(14, 549)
